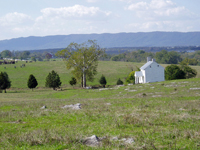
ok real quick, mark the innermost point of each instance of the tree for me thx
(131, 78)
(53, 80)
(6, 54)
(32, 82)
(72, 81)
(83, 58)
(189, 72)
(33, 58)
(173, 72)
(5, 82)
(166, 57)
(103, 81)
(120, 82)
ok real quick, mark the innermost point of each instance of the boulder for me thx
(75, 106)
(92, 141)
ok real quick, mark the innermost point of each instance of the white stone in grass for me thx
(75, 106)
(43, 107)
(114, 138)
(92, 141)
(108, 103)
(127, 140)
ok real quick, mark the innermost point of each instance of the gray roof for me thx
(146, 65)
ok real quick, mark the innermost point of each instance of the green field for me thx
(162, 115)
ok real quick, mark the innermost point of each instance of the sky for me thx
(23, 18)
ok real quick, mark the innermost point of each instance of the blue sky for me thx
(24, 18)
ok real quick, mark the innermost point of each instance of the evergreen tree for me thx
(120, 82)
(32, 82)
(103, 81)
(53, 80)
(72, 81)
(5, 82)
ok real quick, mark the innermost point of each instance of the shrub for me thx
(53, 80)
(173, 72)
(119, 82)
(73, 81)
(103, 81)
(32, 82)
(131, 78)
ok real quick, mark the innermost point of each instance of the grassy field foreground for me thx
(163, 115)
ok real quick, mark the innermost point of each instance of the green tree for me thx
(6, 54)
(53, 80)
(173, 72)
(32, 82)
(166, 57)
(33, 58)
(5, 82)
(83, 58)
(120, 82)
(131, 78)
(103, 81)
(189, 72)
(73, 81)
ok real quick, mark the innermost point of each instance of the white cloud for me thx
(92, 1)
(15, 18)
(160, 9)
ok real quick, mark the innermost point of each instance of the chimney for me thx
(148, 59)
(154, 60)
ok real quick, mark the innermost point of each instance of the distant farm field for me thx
(110, 69)
(161, 115)
(19, 76)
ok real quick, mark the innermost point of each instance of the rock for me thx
(43, 107)
(129, 141)
(76, 106)
(114, 138)
(108, 103)
(92, 141)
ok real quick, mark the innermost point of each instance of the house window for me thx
(158, 65)
(150, 66)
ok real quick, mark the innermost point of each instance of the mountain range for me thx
(105, 40)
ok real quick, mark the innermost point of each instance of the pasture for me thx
(163, 115)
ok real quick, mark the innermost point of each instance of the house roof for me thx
(138, 74)
(146, 65)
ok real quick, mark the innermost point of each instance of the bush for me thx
(173, 72)
(131, 78)
(32, 82)
(53, 80)
(103, 81)
(119, 82)
(73, 81)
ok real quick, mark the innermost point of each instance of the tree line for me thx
(163, 57)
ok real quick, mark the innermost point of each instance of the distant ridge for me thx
(105, 40)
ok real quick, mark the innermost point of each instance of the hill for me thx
(161, 115)
(106, 40)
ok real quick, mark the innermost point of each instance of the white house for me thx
(150, 72)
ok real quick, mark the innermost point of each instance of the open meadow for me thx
(161, 115)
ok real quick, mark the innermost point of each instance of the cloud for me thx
(159, 9)
(15, 18)
(92, 1)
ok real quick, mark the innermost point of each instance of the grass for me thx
(162, 115)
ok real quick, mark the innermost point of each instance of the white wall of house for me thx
(154, 73)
